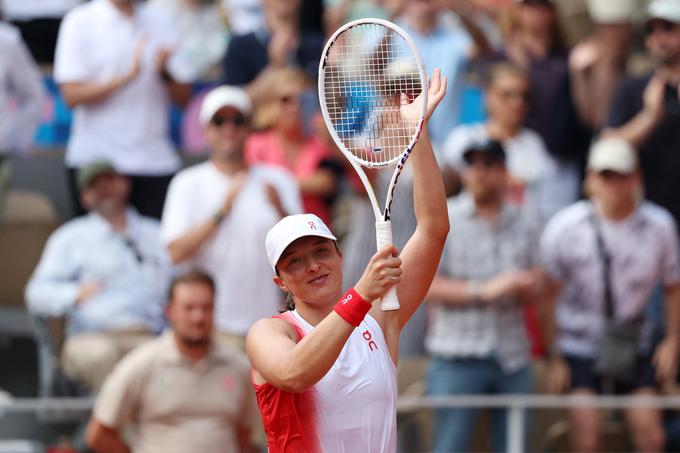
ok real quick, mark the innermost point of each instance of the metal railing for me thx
(517, 404)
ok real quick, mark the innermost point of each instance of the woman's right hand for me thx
(383, 272)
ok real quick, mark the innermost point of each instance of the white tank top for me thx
(356, 399)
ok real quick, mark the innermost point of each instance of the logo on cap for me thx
(312, 226)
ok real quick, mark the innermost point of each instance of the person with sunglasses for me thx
(477, 337)
(508, 100)
(217, 214)
(645, 110)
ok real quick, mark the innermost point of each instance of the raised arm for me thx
(420, 256)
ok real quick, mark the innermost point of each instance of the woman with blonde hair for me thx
(282, 141)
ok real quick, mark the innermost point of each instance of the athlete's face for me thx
(311, 270)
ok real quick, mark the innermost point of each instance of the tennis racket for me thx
(369, 74)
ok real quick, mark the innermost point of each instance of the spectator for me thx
(21, 96)
(442, 46)
(252, 57)
(114, 66)
(646, 110)
(284, 143)
(218, 212)
(184, 392)
(203, 35)
(604, 257)
(533, 42)
(245, 16)
(39, 22)
(534, 174)
(597, 63)
(477, 336)
(107, 273)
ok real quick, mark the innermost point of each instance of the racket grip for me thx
(383, 237)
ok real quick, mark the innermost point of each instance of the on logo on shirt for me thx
(369, 338)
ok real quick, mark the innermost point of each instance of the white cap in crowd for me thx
(613, 154)
(664, 9)
(224, 96)
(291, 228)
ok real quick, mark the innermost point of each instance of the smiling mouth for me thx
(319, 279)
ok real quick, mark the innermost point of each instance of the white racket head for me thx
(368, 70)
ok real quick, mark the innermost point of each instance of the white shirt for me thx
(245, 16)
(203, 36)
(527, 160)
(235, 255)
(133, 268)
(130, 127)
(644, 253)
(32, 9)
(21, 92)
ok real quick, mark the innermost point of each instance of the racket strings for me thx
(371, 72)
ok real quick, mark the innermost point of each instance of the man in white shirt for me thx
(115, 68)
(107, 273)
(217, 215)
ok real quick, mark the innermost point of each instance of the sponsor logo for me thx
(369, 339)
(312, 225)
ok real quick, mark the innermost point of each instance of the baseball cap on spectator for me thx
(224, 96)
(291, 228)
(89, 172)
(490, 147)
(614, 154)
(668, 10)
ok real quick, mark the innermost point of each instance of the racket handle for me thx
(383, 237)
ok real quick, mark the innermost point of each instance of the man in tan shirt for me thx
(182, 392)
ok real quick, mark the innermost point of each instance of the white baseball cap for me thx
(613, 154)
(664, 9)
(291, 228)
(224, 96)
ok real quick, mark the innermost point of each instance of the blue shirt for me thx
(132, 267)
(446, 48)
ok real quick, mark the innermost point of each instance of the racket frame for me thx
(383, 218)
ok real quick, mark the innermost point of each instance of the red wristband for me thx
(352, 307)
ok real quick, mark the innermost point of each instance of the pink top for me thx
(263, 147)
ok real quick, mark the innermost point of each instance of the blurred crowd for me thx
(562, 176)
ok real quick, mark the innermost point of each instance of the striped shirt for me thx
(477, 250)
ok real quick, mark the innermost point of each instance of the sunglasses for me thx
(611, 175)
(290, 99)
(236, 120)
(659, 24)
(485, 161)
(523, 95)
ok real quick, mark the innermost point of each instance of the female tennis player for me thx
(325, 372)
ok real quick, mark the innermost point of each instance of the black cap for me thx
(491, 147)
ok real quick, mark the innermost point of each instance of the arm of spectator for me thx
(54, 288)
(322, 182)
(102, 439)
(77, 92)
(582, 58)
(26, 79)
(666, 353)
(521, 284)
(188, 244)
(465, 9)
(646, 120)
(558, 371)
(180, 93)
